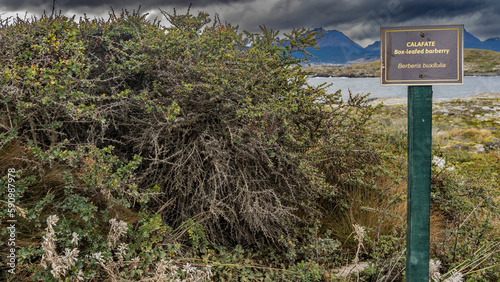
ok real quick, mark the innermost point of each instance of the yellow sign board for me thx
(425, 55)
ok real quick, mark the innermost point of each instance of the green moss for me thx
(490, 139)
(487, 124)
(470, 144)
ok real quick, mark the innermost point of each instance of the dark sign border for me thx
(384, 81)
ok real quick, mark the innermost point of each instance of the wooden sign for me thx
(425, 55)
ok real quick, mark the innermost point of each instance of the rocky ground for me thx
(470, 123)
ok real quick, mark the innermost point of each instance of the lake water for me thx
(472, 85)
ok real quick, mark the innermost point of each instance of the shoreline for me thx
(354, 76)
(392, 101)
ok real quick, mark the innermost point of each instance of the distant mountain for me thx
(372, 52)
(374, 47)
(470, 41)
(495, 39)
(336, 48)
(492, 44)
(335, 38)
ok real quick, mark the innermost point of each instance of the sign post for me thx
(419, 182)
(420, 57)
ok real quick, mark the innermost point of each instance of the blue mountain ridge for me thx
(337, 48)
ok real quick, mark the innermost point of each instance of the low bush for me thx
(189, 138)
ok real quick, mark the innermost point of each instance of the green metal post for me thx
(419, 183)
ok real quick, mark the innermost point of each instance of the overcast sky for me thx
(358, 19)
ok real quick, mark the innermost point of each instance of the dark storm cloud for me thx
(362, 19)
(478, 16)
(11, 5)
(359, 19)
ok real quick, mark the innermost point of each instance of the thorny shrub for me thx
(225, 123)
(192, 127)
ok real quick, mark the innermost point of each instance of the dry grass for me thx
(438, 230)
(380, 211)
(481, 62)
(47, 180)
(474, 134)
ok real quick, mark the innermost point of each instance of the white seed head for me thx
(75, 239)
(434, 266)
